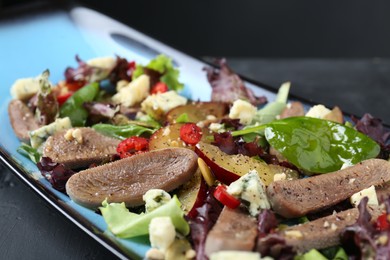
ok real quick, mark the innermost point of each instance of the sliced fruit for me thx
(169, 136)
(228, 168)
(192, 194)
(198, 111)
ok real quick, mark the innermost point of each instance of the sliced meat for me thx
(298, 197)
(293, 109)
(22, 119)
(234, 230)
(127, 180)
(93, 148)
(320, 233)
(383, 192)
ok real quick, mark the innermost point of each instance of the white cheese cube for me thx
(242, 110)
(217, 127)
(369, 192)
(250, 188)
(103, 62)
(318, 111)
(161, 232)
(134, 92)
(158, 105)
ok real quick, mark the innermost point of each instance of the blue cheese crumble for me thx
(251, 189)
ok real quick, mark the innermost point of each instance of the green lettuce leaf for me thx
(126, 224)
(164, 65)
(273, 109)
(29, 152)
(122, 131)
(73, 107)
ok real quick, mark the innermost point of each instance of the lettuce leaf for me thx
(126, 224)
(270, 111)
(164, 66)
(73, 107)
(29, 152)
(122, 131)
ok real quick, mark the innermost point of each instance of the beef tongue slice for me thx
(22, 119)
(320, 233)
(299, 197)
(94, 148)
(234, 230)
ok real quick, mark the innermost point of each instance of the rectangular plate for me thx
(54, 39)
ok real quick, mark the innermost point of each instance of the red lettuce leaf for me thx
(200, 226)
(374, 128)
(123, 70)
(269, 243)
(81, 74)
(360, 240)
(55, 173)
(100, 112)
(227, 86)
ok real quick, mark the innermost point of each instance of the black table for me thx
(31, 229)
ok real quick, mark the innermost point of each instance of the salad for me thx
(236, 176)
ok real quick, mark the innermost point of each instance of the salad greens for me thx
(164, 66)
(316, 145)
(126, 224)
(122, 131)
(29, 152)
(270, 111)
(73, 107)
(316, 255)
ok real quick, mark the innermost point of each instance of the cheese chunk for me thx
(134, 92)
(161, 232)
(318, 111)
(23, 89)
(250, 188)
(369, 192)
(39, 136)
(242, 110)
(155, 198)
(103, 62)
(158, 105)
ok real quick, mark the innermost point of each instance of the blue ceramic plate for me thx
(53, 40)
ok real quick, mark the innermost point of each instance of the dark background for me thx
(261, 29)
(333, 52)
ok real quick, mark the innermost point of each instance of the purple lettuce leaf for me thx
(227, 86)
(230, 145)
(100, 112)
(57, 174)
(208, 214)
(269, 243)
(362, 240)
(123, 70)
(374, 128)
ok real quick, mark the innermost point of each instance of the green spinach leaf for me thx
(73, 107)
(319, 146)
(122, 131)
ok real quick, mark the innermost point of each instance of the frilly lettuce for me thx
(270, 111)
(126, 224)
(164, 66)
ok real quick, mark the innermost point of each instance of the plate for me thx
(54, 39)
